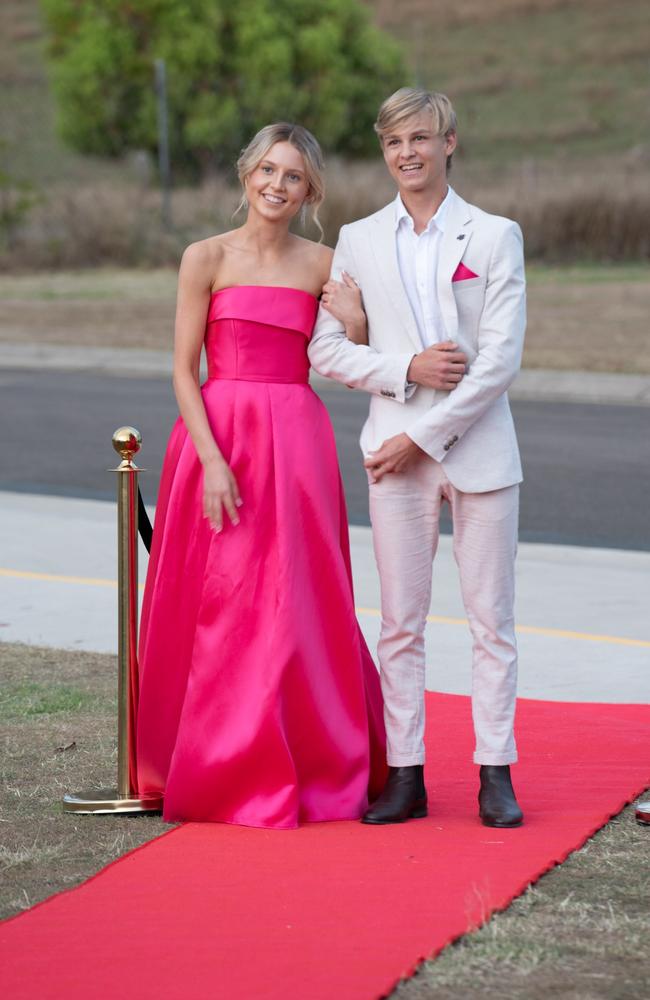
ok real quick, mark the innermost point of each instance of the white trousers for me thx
(405, 512)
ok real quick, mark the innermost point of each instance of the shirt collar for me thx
(438, 219)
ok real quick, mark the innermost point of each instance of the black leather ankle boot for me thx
(404, 797)
(496, 798)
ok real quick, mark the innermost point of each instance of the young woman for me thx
(259, 701)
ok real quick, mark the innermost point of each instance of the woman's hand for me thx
(220, 491)
(343, 300)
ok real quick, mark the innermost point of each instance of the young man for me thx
(444, 293)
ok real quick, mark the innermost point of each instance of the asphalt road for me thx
(586, 467)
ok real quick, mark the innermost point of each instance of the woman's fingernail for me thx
(239, 503)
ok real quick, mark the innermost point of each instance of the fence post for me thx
(124, 798)
(164, 167)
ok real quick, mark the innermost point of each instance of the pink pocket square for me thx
(462, 273)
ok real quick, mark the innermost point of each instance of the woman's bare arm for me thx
(220, 490)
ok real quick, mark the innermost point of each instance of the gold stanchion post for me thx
(124, 798)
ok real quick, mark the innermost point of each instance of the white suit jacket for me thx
(470, 429)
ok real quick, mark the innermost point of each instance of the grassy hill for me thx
(29, 145)
(530, 78)
(534, 77)
(553, 99)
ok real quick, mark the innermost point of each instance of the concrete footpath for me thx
(542, 385)
(583, 623)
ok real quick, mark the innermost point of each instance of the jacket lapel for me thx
(384, 247)
(458, 233)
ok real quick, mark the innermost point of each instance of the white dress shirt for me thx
(417, 257)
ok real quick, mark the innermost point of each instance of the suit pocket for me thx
(467, 284)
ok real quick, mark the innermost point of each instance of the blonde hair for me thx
(411, 101)
(308, 147)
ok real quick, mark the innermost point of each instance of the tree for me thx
(232, 67)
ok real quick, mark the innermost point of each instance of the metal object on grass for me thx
(642, 813)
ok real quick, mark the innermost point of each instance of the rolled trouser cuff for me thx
(405, 759)
(496, 759)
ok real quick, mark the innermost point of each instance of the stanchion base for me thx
(107, 800)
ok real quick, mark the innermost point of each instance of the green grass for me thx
(586, 274)
(31, 698)
(586, 317)
(31, 149)
(97, 284)
(160, 284)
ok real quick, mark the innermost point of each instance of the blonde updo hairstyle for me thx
(302, 140)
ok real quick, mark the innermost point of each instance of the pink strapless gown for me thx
(259, 701)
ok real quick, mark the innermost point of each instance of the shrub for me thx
(17, 198)
(119, 223)
(232, 68)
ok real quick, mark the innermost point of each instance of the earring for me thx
(303, 214)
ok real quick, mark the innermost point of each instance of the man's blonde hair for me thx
(410, 101)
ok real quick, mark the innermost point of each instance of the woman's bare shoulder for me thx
(203, 259)
(319, 251)
(204, 252)
(319, 257)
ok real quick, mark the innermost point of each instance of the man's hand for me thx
(440, 366)
(395, 455)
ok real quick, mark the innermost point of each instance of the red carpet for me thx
(335, 910)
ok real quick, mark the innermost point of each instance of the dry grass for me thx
(583, 932)
(95, 224)
(581, 318)
(52, 700)
(445, 14)
(107, 320)
(568, 212)
(577, 324)
(533, 78)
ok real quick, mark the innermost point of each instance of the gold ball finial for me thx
(127, 441)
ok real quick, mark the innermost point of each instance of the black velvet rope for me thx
(144, 524)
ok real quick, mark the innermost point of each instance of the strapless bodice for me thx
(259, 333)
